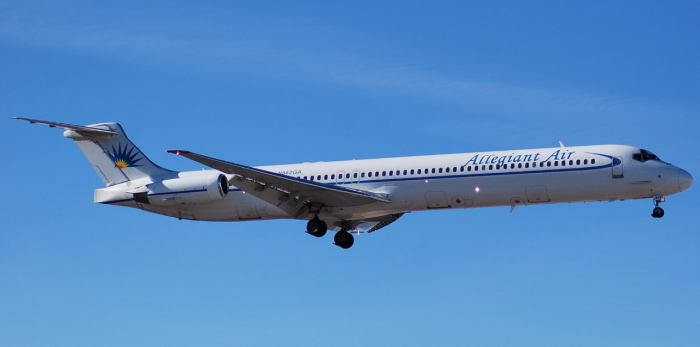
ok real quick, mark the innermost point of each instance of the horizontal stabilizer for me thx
(113, 156)
(83, 130)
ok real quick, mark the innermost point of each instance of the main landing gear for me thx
(343, 239)
(318, 228)
(658, 211)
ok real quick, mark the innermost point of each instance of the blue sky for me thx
(273, 83)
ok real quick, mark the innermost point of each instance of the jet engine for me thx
(185, 190)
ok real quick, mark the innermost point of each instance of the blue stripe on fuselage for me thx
(410, 179)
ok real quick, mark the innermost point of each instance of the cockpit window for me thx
(644, 155)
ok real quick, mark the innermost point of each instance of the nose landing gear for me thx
(658, 212)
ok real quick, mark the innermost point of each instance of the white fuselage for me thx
(466, 180)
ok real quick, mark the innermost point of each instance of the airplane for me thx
(355, 196)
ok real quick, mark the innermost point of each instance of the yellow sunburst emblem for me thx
(121, 163)
(124, 157)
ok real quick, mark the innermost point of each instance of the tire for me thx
(344, 239)
(316, 227)
(658, 212)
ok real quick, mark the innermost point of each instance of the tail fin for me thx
(113, 156)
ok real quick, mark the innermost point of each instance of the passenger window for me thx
(512, 166)
(325, 177)
(305, 177)
(541, 164)
(527, 165)
(556, 163)
(563, 163)
(433, 170)
(469, 168)
(391, 173)
(585, 161)
(347, 175)
(592, 161)
(405, 172)
(354, 175)
(398, 172)
(461, 169)
(362, 175)
(490, 166)
(498, 166)
(520, 165)
(412, 171)
(318, 177)
(571, 162)
(419, 171)
(549, 163)
(454, 169)
(447, 169)
(483, 167)
(369, 174)
(476, 168)
(578, 161)
(312, 178)
(333, 176)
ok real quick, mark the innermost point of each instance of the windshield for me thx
(645, 155)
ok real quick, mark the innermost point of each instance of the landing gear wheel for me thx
(316, 227)
(658, 212)
(344, 239)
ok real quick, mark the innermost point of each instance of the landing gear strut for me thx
(658, 211)
(316, 227)
(344, 239)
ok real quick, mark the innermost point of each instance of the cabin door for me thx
(617, 167)
(355, 177)
(340, 177)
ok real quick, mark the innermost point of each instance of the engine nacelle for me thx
(186, 190)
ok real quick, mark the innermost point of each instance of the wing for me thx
(292, 195)
(373, 224)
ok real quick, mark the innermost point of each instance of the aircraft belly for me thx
(508, 190)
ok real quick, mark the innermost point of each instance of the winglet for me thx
(561, 144)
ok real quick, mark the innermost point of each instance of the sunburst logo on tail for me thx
(124, 157)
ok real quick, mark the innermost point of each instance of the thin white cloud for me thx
(218, 49)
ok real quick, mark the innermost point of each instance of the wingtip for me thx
(31, 121)
(177, 151)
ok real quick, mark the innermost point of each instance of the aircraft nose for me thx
(685, 180)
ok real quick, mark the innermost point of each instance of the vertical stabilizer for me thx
(113, 156)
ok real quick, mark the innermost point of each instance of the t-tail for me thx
(110, 152)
